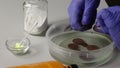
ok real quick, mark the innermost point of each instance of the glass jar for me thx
(35, 11)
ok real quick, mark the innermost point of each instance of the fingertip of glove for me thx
(104, 14)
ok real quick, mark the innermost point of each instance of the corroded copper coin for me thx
(92, 47)
(80, 42)
(73, 46)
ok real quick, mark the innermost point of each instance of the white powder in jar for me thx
(35, 14)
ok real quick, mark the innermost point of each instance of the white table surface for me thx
(11, 24)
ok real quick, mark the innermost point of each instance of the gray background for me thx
(11, 24)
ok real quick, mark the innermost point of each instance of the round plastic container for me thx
(59, 36)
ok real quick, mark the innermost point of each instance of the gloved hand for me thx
(82, 13)
(108, 20)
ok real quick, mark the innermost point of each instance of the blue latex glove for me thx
(82, 13)
(108, 20)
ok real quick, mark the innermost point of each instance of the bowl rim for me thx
(105, 35)
(14, 38)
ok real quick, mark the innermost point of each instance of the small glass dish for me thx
(59, 36)
(14, 46)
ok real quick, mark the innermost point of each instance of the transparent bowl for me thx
(14, 46)
(59, 36)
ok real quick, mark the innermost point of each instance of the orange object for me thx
(49, 64)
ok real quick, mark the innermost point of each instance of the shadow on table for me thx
(114, 57)
(49, 24)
